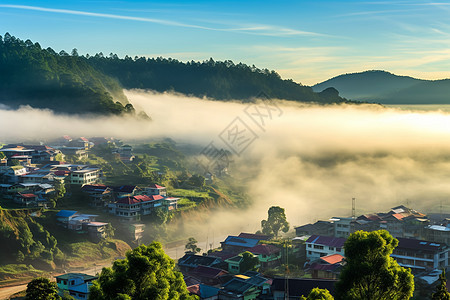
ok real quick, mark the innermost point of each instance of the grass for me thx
(188, 193)
(12, 273)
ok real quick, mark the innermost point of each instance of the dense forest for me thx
(221, 80)
(71, 83)
(64, 83)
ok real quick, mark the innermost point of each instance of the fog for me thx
(311, 160)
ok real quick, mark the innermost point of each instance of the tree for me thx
(249, 262)
(109, 230)
(318, 294)
(441, 290)
(146, 273)
(42, 289)
(370, 272)
(191, 245)
(275, 222)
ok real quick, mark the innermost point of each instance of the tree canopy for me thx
(42, 288)
(370, 272)
(318, 294)
(146, 273)
(191, 245)
(441, 290)
(275, 222)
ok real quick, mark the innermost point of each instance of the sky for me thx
(307, 41)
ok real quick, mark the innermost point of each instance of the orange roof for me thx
(332, 259)
(398, 216)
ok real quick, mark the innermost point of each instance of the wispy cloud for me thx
(263, 29)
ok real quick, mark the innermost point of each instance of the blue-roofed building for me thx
(237, 244)
(64, 216)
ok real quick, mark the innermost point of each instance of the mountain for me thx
(30, 75)
(387, 88)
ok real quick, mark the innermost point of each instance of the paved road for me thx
(175, 252)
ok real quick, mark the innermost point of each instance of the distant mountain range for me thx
(387, 88)
(74, 84)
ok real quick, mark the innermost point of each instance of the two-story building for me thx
(318, 246)
(421, 255)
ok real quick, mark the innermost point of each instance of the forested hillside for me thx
(70, 83)
(222, 80)
(65, 83)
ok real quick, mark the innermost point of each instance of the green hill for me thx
(30, 75)
(221, 80)
(42, 78)
(387, 88)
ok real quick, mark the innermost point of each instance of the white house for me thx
(318, 246)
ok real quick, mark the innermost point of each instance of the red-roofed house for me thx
(132, 207)
(207, 275)
(154, 189)
(327, 267)
(26, 199)
(269, 255)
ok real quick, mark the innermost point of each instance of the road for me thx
(175, 252)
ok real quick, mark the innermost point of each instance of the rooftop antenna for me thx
(353, 208)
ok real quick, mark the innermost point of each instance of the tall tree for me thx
(441, 290)
(249, 262)
(146, 273)
(275, 222)
(42, 288)
(191, 245)
(370, 272)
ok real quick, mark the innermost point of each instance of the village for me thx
(245, 266)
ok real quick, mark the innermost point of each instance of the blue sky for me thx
(308, 41)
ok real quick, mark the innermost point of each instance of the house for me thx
(26, 199)
(64, 216)
(124, 153)
(327, 267)
(207, 275)
(269, 256)
(76, 284)
(325, 228)
(100, 194)
(342, 226)
(37, 154)
(191, 261)
(204, 292)
(96, 230)
(133, 207)
(438, 233)
(154, 189)
(421, 255)
(318, 246)
(238, 244)
(136, 231)
(81, 142)
(235, 264)
(239, 288)
(78, 153)
(12, 174)
(86, 175)
(295, 288)
(79, 221)
(126, 190)
(38, 177)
